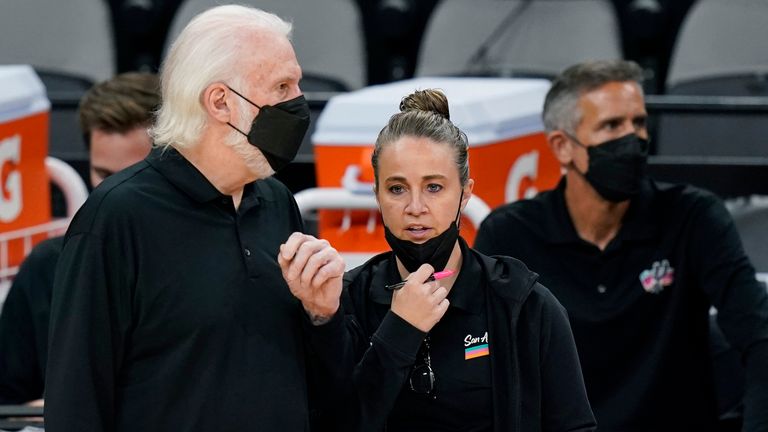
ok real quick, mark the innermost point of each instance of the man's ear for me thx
(561, 146)
(215, 102)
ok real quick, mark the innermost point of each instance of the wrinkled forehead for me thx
(268, 56)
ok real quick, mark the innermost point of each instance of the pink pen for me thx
(435, 276)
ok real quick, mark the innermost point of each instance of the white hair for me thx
(253, 157)
(206, 51)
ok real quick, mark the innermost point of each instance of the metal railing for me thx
(75, 194)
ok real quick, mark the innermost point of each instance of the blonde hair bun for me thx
(431, 100)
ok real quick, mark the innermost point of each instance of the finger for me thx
(332, 265)
(429, 288)
(318, 259)
(305, 251)
(418, 277)
(439, 295)
(285, 269)
(422, 273)
(332, 269)
(295, 240)
(283, 263)
(330, 288)
(442, 307)
(432, 286)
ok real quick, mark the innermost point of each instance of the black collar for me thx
(639, 221)
(182, 174)
(467, 293)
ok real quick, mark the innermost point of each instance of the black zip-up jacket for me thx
(537, 380)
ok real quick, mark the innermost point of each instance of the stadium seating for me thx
(70, 45)
(517, 37)
(720, 52)
(60, 38)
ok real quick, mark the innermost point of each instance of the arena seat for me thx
(517, 37)
(720, 52)
(59, 39)
(70, 44)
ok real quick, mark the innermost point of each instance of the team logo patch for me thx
(659, 276)
(475, 347)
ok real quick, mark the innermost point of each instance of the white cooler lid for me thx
(486, 109)
(21, 92)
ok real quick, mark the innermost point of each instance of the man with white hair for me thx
(169, 310)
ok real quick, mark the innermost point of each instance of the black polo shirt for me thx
(459, 347)
(639, 309)
(169, 309)
(24, 325)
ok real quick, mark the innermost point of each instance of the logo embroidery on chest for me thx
(659, 276)
(475, 347)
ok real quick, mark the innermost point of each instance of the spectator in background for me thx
(636, 263)
(114, 118)
(169, 310)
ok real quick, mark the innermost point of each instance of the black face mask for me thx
(435, 251)
(616, 167)
(278, 129)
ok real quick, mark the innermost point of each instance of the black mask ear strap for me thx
(249, 101)
(458, 212)
(574, 139)
(237, 129)
(239, 94)
(578, 143)
(573, 167)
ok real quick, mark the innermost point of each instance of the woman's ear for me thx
(215, 102)
(467, 193)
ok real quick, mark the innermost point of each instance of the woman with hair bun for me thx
(482, 348)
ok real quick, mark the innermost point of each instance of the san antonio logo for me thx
(659, 276)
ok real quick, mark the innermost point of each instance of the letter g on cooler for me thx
(10, 179)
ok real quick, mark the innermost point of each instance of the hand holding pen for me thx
(435, 276)
(420, 302)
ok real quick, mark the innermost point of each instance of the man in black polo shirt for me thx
(636, 263)
(169, 311)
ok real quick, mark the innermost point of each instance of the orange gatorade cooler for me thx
(509, 158)
(24, 183)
